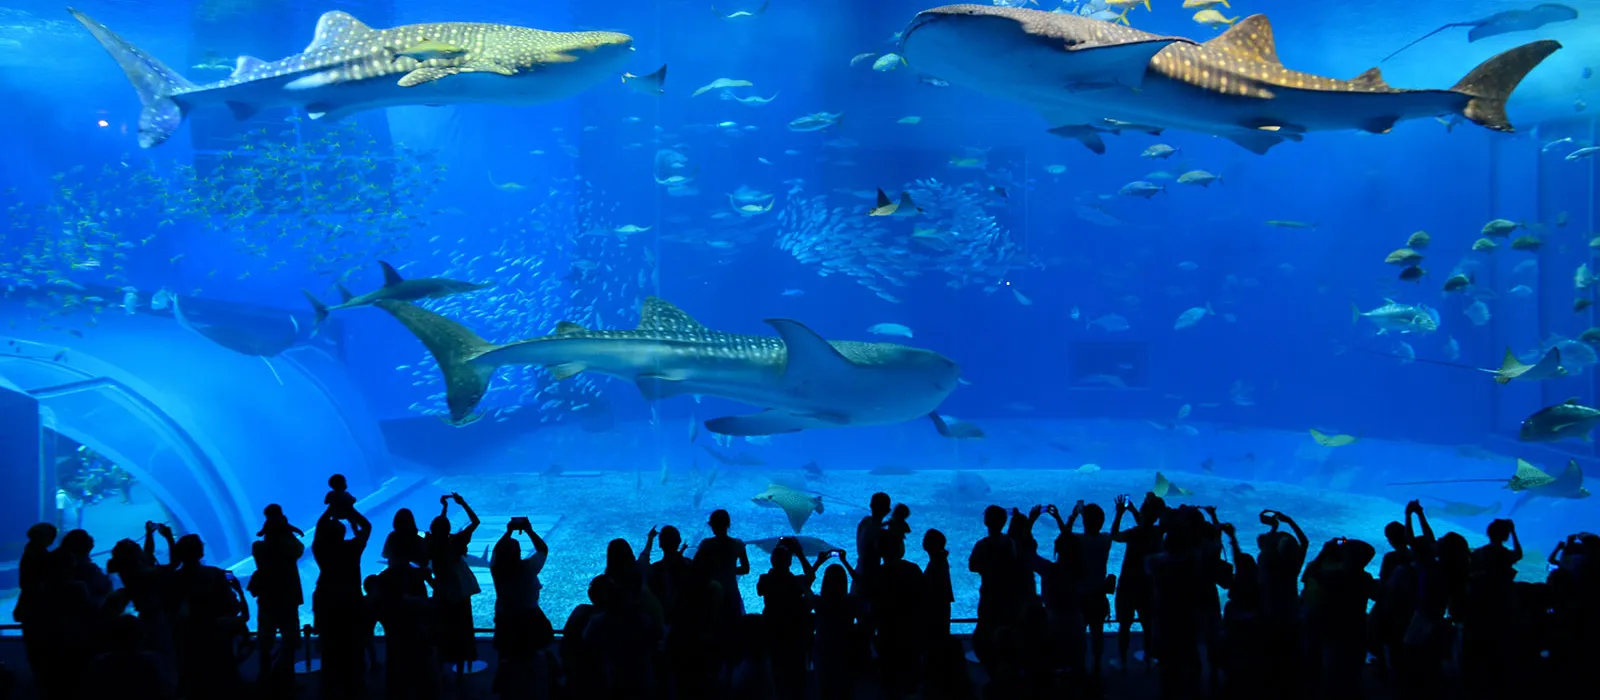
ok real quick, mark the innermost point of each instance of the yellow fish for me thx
(428, 49)
(1126, 6)
(1213, 19)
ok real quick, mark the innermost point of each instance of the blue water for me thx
(235, 218)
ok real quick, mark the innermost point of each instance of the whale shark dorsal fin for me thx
(391, 276)
(1372, 79)
(661, 315)
(809, 354)
(1250, 39)
(336, 27)
(566, 327)
(245, 66)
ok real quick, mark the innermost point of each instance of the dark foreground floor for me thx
(1135, 685)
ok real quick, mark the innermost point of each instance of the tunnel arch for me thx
(214, 435)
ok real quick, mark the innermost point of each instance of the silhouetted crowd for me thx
(1444, 620)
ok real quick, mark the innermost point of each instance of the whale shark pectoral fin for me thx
(826, 417)
(428, 74)
(314, 80)
(1087, 135)
(769, 422)
(1123, 64)
(242, 110)
(1259, 142)
(660, 386)
(566, 370)
(321, 111)
(809, 355)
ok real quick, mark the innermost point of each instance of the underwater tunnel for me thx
(205, 437)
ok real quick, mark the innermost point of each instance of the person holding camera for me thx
(521, 629)
(454, 584)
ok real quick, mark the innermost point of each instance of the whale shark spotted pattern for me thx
(349, 67)
(801, 380)
(1085, 76)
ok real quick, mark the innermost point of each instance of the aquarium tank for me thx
(614, 266)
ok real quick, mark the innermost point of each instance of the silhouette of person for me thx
(276, 586)
(336, 602)
(454, 584)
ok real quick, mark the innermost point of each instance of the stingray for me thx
(1529, 482)
(253, 340)
(1504, 22)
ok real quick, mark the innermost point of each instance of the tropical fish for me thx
(721, 84)
(1397, 317)
(396, 288)
(796, 504)
(1189, 318)
(350, 67)
(742, 14)
(954, 428)
(430, 50)
(802, 380)
(890, 329)
(1561, 421)
(1075, 71)
(1198, 177)
(816, 121)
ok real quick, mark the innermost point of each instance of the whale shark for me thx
(397, 288)
(801, 380)
(349, 67)
(1084, 75)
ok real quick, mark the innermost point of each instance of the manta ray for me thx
(232, 333)
(349, 67)
(801, 380)
(1087, 76)
(1503, 22)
